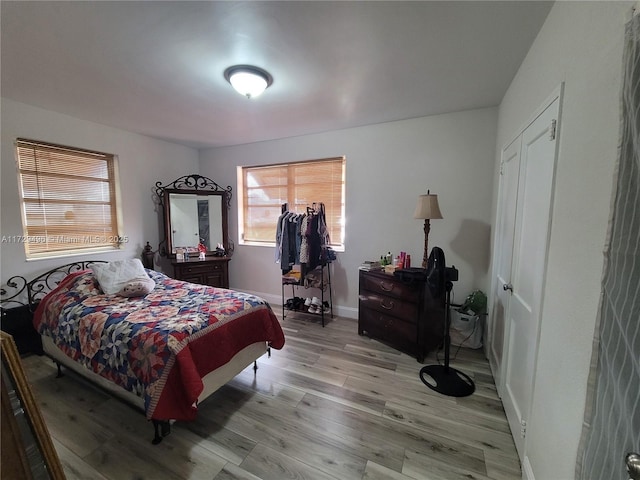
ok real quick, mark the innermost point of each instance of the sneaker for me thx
(307, 302)
(316, 301)
(312, 309)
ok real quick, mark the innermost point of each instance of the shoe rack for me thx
(311, 305)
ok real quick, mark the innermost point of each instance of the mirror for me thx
(194, 218)
(27, 448)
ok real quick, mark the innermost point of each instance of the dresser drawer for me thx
(392, 306)
(388, 285)
(388, 329)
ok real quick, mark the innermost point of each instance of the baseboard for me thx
(272, 299)
(276, 300)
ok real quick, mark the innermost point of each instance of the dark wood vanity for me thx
(195, 213)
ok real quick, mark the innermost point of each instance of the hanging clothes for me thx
(317, 235)
(287, 240)
(302, 239)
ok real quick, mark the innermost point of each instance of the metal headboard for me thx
(20, 292)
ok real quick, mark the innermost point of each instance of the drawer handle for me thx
(387, 307)
(383, 287)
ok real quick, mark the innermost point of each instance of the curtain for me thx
(612, 417)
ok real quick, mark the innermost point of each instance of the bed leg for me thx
(269, 352)
(60, 374)
(160, 429)
(255, 366)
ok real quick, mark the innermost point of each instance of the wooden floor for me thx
(330, 405)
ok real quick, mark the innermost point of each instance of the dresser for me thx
(402, 314)
(213, 271)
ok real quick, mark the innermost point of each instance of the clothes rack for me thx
(304, 254)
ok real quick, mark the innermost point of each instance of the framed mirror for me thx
(195, 216)
(27, 448)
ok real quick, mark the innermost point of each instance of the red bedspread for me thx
(158, 346)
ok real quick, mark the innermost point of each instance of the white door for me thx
(532, 228)
(504, 236)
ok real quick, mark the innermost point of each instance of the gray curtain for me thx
(612, 418)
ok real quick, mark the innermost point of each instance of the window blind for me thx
(299, 184)
(68, 199)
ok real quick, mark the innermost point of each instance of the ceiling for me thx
(156, 68)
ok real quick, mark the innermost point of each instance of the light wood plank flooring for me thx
(330, 405)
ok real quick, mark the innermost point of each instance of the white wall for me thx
(142, 162)
(581, 45)
(388, 166)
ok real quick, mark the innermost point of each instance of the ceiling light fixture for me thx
(248, 80)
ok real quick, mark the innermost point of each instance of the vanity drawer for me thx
(213, 272)
(191, 269)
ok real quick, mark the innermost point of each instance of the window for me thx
(266, 188)
(68, 200)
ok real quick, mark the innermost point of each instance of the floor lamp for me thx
(427, 209)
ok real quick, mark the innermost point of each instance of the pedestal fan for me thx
(443, 378)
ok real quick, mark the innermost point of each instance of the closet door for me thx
(504, 237)
(521, 242)
(528, 269)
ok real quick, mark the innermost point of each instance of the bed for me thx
(165, 350)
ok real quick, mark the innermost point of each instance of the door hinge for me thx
(523, 428)
(501, 168)
(552, 130)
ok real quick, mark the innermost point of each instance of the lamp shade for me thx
(427, 207)
(248, 80)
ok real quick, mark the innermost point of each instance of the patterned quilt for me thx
(158, 346)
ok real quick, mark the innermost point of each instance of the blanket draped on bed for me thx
(158, 346)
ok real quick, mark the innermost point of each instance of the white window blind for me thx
(68, 199)
(266, 188)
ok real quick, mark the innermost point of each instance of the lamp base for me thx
(425, 257)
(447, 380)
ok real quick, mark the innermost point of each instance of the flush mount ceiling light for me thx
(248, 80)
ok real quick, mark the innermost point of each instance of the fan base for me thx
(447, 380)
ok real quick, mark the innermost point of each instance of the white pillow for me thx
(112, 276)
(137, 287)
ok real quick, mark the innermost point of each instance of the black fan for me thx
(443, 378)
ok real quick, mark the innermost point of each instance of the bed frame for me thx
(23, 294)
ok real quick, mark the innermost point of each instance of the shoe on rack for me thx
(312, 309)
(326, 308)
(307, 302)
(316, 301)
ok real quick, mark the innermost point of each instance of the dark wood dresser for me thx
(213, 271)
(402, 314)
